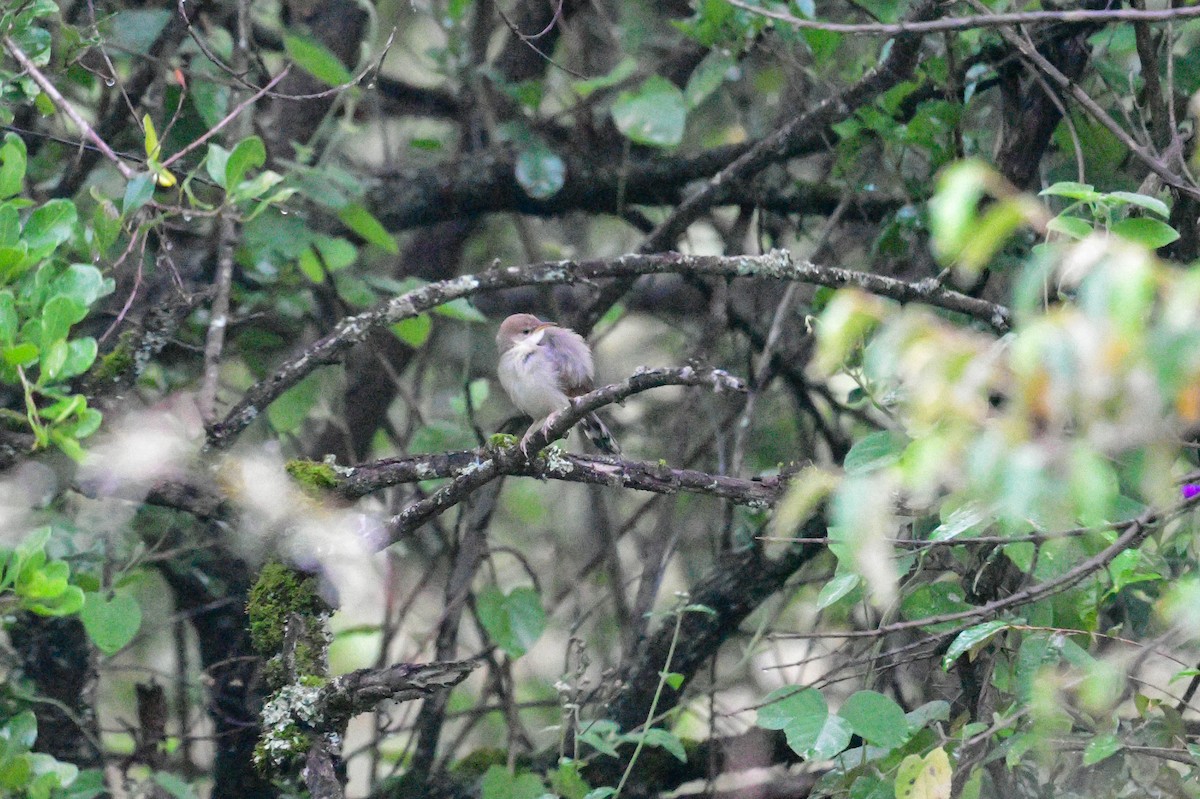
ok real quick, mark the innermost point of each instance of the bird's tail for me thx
(599, 434)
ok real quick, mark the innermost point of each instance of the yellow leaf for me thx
(924, 778)
(165, 177)
(152, 145)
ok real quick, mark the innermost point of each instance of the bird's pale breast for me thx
(528, 374)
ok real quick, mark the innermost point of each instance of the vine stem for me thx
(662, 680)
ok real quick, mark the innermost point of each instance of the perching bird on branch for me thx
(541, 367)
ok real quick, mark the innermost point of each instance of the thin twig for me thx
(979, 21)
(208, 134)
(61, 103)
(214, 342)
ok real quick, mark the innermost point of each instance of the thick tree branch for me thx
(738, 583)
(776, 265)
(657, 478)
(360, 691)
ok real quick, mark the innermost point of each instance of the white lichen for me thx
(473, 467)
(556, 460)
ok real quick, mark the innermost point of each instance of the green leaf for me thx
(934, 599)
(1148, 232)
(138, 192)
(937, 710)
(876, 718)
(289, 411)
(336, 252)
(8, 318)
(971, 638)
(655, 114)
(23, 354)
(88, 785)
(1093, 485)
(414, 331)
(43, 580)
(59, 313)
(875, 451)
(1071, 226)
(317, 60)
(106, 222)
(15, 773)
(954, 206)
(309, 264)
(460, 309)
(663, 739)
(784, 705)
(626, 67)
(804, 717)
(50, 774)
(835, 589)
(566, 780)
(990, 232)
(64, 408)
(603, 792)
(216, 163)
(600, 734)
(50, 225)
(707, 77)
(823, 45)
(54, 357)
(514, 621)
(1152, 204)
(255, 187)
(68, 603)
(211, 101)
(83, 283)
(961, 520)
(135, 30)
(1100, 748)
(175, 786)
(111, 623)
(10, 224)
(815, 739)
(1071, 190)
(540, 171)
(12, 166)
(87, 423)
(249, 153)
(21, 731)
(499, 784)
(362, 222)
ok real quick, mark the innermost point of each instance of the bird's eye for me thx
(527, 331)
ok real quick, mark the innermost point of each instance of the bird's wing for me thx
(572, 359)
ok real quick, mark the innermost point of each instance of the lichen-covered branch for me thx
(360, 691)
(658, 478)
(775, 265)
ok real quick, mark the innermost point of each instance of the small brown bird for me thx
(541, 367)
